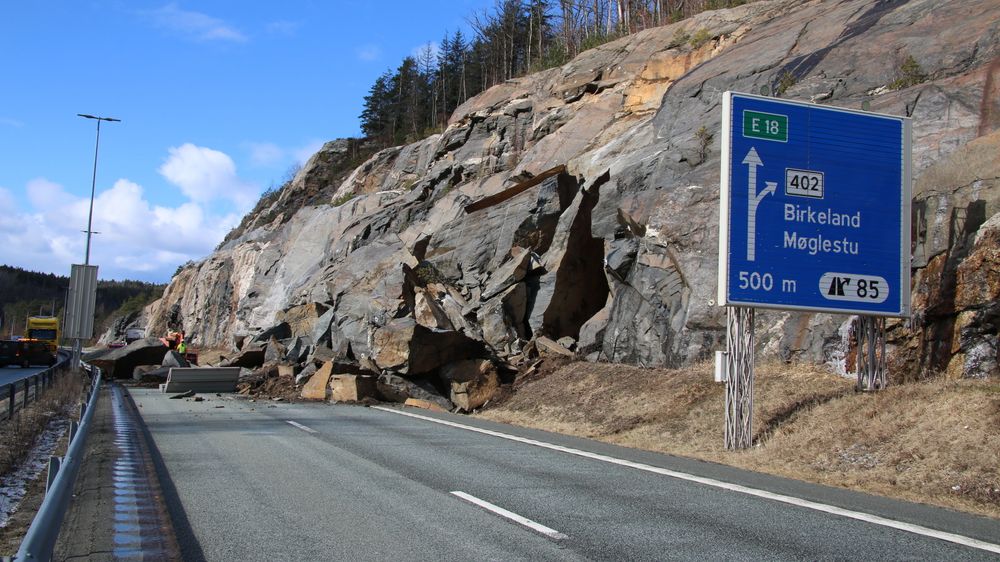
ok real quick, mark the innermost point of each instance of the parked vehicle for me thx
(133, 334)
(25, 353)
(8, 352)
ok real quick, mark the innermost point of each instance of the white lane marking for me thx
(874, 519)
(533, 525)
(302, 427)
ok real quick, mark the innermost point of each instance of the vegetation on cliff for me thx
(514, 38)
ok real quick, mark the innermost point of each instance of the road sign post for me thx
(739, 381)
(871, 363)
(815, 216)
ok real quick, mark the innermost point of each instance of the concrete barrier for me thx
(201, 379)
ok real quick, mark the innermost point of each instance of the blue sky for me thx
(217, 99)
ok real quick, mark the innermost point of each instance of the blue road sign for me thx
(815, 208)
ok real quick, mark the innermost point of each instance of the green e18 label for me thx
(767, 126)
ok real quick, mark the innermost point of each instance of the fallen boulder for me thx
(548, 347)
(150, 372)
(405, 346)
(274, 351)
(298, 349)
(472, 383)
(318, 386)
(306, 374)
(352, 388)
(120, 363)
(250, 358)
(424, 404)
(394, 388)
(174, 359)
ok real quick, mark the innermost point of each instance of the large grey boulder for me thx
(121, 362)
(274, 351)
(174, 359)
(299, 349)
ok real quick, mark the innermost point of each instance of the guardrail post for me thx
(12, 388)
(83, 410)
(73, 428)
(35, 379)
(26, 389)
(53, 470)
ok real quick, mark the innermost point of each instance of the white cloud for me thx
(368, 52)
(42, 193)
(268, 154)
(7, 203)
(8, 206)
(204, 175)
(195, 25)
(265, 153)
(304, 153)
(283, 27)
(136, 238)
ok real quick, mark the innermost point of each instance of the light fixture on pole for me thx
(93, 181)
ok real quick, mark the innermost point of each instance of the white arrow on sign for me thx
(752, 160)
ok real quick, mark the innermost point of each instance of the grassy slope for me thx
(935, 442)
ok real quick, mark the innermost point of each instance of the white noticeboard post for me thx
(815, 208)
(82, 300)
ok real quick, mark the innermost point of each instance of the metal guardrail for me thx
(40, 539)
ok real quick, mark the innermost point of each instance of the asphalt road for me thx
(11, 373)
(245, 483)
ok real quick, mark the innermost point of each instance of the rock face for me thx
(956, 254)
(579, 202)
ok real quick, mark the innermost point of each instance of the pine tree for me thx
(377, 115)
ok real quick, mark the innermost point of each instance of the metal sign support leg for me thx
(739, 383)
(871, 363)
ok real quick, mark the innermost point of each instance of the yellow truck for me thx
(45, 329)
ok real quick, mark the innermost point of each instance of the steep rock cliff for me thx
(581, 202)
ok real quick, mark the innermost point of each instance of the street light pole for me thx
(78, 343)
(93, 181)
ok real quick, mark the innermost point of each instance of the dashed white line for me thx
(533, 525)
(302, 427)
(874, 519)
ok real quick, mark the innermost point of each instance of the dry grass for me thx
(934, 442)
(18, 434)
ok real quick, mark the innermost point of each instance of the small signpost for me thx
(815, 216)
